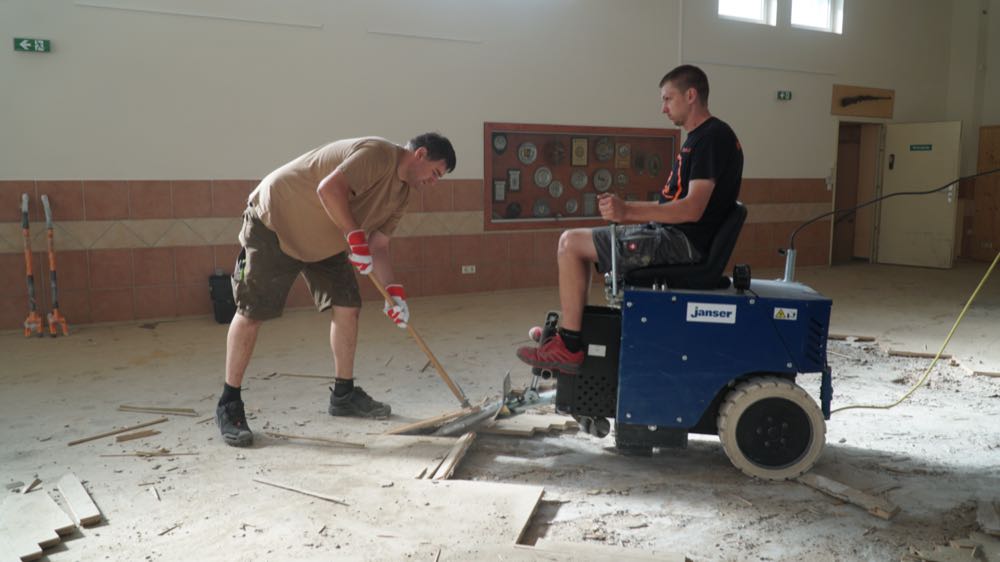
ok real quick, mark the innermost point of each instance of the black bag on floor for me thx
(220, 287)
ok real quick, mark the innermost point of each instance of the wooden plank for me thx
(433, 422)
(136, 435)
(844, 337)
(917, 354)
(454, 457)
(876, 506)
(16, 548)
(80, 504)
(31, 523)
(31, 486)
(117, 431)
(317, 439)
(156, 410)
(988, 517)
(590, 551)
(301, 491)
(985, 374)
(526, 425)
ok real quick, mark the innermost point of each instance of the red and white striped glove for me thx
(360, 256)
(398, 312)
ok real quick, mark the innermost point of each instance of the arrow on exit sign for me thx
(30, 45)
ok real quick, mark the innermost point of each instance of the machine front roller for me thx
(771, 429)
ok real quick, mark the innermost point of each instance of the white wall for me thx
(130, 94)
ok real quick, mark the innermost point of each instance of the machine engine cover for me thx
(680, 348)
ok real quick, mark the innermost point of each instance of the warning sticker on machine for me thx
(786, 313)
(595, 350)
(713, 313)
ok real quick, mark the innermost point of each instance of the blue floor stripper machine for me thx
(685, 349)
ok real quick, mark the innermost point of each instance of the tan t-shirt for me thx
(286, 200)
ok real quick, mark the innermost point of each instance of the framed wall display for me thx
(551, 175)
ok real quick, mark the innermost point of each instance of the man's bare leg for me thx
(229, 415)
(240, 342)
(347, 399)
(344, 340)
(575, 258)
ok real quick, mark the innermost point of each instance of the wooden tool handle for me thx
(420, 341)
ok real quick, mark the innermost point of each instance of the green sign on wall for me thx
(27, 44)
(920, 147)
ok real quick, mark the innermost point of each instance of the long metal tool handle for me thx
(614, 260)
(420, 341)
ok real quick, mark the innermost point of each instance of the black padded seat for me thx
(707, 274)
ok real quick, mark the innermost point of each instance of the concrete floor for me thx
(942, 447)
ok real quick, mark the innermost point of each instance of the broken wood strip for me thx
(148, 454)
(15, 548)
(917, 354)
(36, 519)
(116, 432)
(876, 506)
(326, 377)
(300, 491)
(527, 425)
(318, 439)
(80, 504)
(985, 374)
(844, 337)
(433, 422)
(161, 411)
(454, 457)
(208, 419)
(185, 411)
(31, 486)
(136, 435)
(988, 517)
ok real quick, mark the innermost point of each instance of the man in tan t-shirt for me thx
(331, 208)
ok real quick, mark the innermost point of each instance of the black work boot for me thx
(232, 421)
(358, 404)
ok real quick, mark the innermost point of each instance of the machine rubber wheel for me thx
(771, 429)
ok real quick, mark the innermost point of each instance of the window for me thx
(823, 15)
(756, 11)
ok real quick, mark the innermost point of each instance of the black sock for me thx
(342, 387)
(572, 339)
(229, 394)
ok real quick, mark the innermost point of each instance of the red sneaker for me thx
(553, 355)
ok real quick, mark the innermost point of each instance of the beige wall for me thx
(245, 85)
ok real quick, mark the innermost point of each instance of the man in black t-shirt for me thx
(702, 188)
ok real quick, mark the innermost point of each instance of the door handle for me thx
(892, 161)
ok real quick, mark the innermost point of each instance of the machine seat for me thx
(707, 274)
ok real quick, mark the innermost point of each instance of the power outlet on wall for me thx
(468, 269)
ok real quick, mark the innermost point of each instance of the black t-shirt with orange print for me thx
(711, 151)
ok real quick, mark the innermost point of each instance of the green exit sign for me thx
(30, 45)
(784, 95)
(921, 147)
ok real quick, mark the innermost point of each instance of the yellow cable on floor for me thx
(927, 373)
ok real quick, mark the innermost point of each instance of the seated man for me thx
(702, 188)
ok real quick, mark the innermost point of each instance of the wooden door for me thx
(919, 229)
(986, 197)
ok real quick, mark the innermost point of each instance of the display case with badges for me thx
(552, 175)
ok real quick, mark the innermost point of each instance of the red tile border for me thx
(65, 198)
(110, 269)
(10, 201)
(150, 200)
(191, 198)
(437, 198)
(105, 200)
(155, 302)
(153, 267)
(229, 197)
(112, 305)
